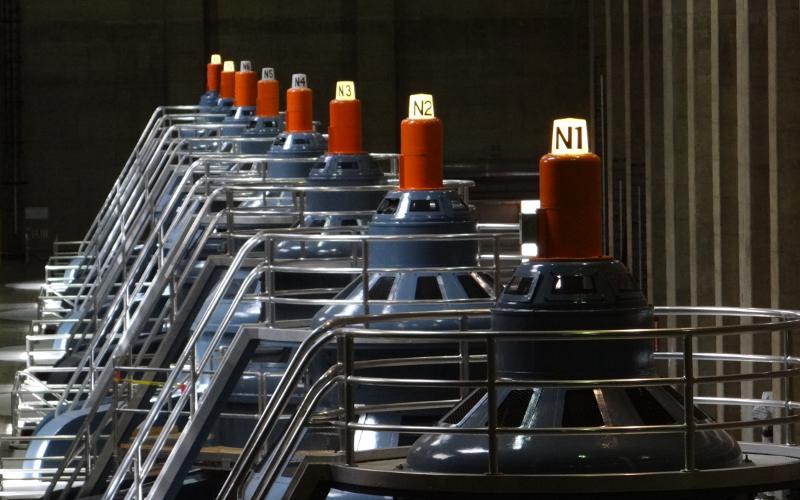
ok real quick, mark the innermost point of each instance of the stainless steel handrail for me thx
(101, 382)
(268, 238)
(346, 336)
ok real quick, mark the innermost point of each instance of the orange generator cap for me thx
(421, 151)
(244, 93)
(570, 217)
(212, 73)
(299, 105)
(344, 132)
(227, 80)
(267, 94)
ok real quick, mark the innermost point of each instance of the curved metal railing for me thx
(164, 401)
(100, 384)
(780, 321)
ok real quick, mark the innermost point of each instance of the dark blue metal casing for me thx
(294, 145)
(209, 100)
(547, 296)
(422, 212)
(237, 119)
(339, 171)
(414, 288)
(261, 127)
(211, 103)
(573, 295)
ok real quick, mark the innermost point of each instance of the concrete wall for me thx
(92, 72)
(700, 116)
(715, 160)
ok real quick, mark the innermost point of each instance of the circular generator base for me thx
(769, 467)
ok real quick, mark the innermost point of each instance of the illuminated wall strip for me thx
(772, 105)
(716, 188)
(648, 144)
(626, 47)
(669, 155)
(608, 151)
(743, 186)
(691, 151)
(774, 230)
(691, 157)
(743, 150)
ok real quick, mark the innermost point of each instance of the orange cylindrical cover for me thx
(421, 154)
(212, 77)
(298, 109)
(227, 84)
(244, 93)
(344, 132)
(267, 98)
(570, 217)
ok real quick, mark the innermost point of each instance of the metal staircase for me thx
(175, 406)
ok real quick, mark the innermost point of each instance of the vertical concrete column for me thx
(626, 78)
(655, 122)
(635, 112)
(608, 150)
(668, 106)
(787, 154)
(699, 133)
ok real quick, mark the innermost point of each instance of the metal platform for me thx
(383, 472)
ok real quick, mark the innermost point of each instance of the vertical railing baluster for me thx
(269, 248)
(229, 221)
(193, 382)
(345, 348)
(496, 261)
(365, 275)
(688, 403)
(787, 389)
(491, 379)
(463, 351)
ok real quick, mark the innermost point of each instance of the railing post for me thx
(269, 248)
(137, 480)
(688, 403)
(345, 352)
(262, 391)
(229, 222)
(301, 206)
(87, 451)
(193, 382)
(91, 367)
(15, 404)
(173, 305)
(463, 351)
(788, 390)
(496, 262)
(491, 378)
(114, 410)
(365, 275)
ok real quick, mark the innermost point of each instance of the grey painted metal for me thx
(318, 338)
(782, 319)
(669, 332)
(545, 295)
(106, 374)
(102, 383)
(162, 400)
(158, 362)
(773, 467)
